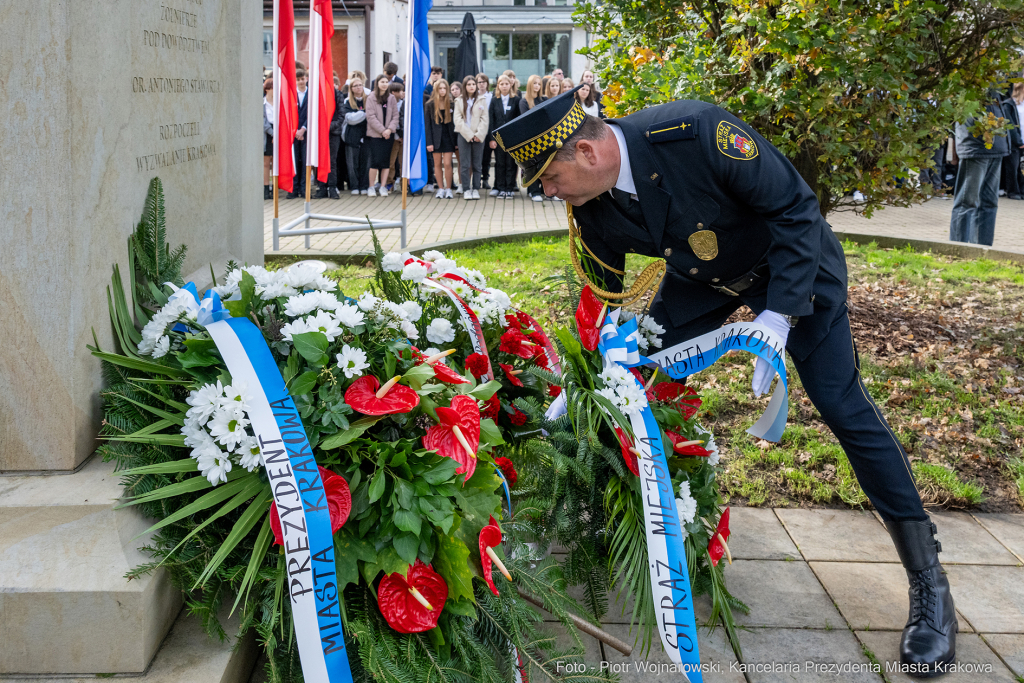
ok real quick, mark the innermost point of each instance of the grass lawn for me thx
(941, 349)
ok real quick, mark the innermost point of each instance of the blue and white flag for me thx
(414, 148)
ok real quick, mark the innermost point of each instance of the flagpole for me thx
(276, 76)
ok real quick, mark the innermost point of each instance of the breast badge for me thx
(704, 244)
(734, 143)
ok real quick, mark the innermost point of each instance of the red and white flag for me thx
(321, 87)
(286, 98)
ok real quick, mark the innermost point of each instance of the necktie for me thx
(629, 206)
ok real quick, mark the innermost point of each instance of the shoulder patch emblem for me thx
(682, 128)
(735, 143)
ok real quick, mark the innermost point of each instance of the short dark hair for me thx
(592, 128)
(436, 70)
(390, 68)
(301, 73)
(396, 87)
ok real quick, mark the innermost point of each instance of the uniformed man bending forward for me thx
(737, 225)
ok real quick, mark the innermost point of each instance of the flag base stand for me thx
(289, 228)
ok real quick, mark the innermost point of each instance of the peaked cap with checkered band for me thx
(534, 137)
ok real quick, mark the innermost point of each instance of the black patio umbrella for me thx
(465, 53)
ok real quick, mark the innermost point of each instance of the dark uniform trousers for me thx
(719, 202)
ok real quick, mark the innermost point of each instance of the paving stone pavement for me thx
(828, 600)
(433, 220)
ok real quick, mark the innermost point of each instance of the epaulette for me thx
(682, 128)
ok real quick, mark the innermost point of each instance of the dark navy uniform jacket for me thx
(697, 167)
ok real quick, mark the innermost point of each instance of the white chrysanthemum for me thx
(476, 278)
(684, 490)
(352, 361)
(712, 448)
(642, 343)
(687, 509)
(248, 453)
(445, 310)
(631, 399)
(228, 426)
(349, 316)
(294, 327)
(392, 262)
(625, 315)
(215, 467)
(163, 345)
(413, 311)
(431, 351)
(614, 375)
(655, 341)
(460, 288)
(432, 255)
(648, 324)
(609, 394)
(195, 436)
(409, 330)
(324, 322)
(415, 272)
(206, 448)
(367, 302)
(301, 276)
(275, 290)
(204, 402)
(390, 311)
(440, 331)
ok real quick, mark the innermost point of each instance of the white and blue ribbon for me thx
(207, 310)
(298, 492)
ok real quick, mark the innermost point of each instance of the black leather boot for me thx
(929, 638)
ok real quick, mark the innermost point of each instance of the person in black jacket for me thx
(504, 107)
(737, 225)
(1011, 162)
(530, 99)
(357, 154)
(299, 147)
(329, 189)
(439, 128)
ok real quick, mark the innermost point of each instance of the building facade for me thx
(527, 36)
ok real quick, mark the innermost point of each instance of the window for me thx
(268, 49)
(525, 53)
(387, 58)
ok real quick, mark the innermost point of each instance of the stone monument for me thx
(100, 97)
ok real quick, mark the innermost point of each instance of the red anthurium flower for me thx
(441, 371)
(518, 418)
(682, 396)
(554, 390)
(477, 364)
(490, 536)
(683, 447)
(627, 454)
(339, 504)
(717, 546)
(509, 376)
(508, 469)
(540, 356)
(463, 417)
(398, 597)
(586, 319)
(362, 396)
(492, 407)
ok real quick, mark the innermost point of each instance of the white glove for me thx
(764, 373)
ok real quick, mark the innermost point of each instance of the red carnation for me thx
(339, 503)
(554, 390)
(517, 344)
(512, 322)
(508, 469)
(524, 318)
(492, 408)
(680, 395)
(401, 599)
(540, 357)
(477, 364)
(518, 418)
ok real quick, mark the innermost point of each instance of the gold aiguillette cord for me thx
(649, 279)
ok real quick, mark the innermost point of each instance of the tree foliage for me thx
(857, 94)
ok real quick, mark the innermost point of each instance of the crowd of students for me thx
(366, 132)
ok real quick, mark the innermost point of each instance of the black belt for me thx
(745, 281)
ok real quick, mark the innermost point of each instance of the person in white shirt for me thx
(471, 124)
(588, 100)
